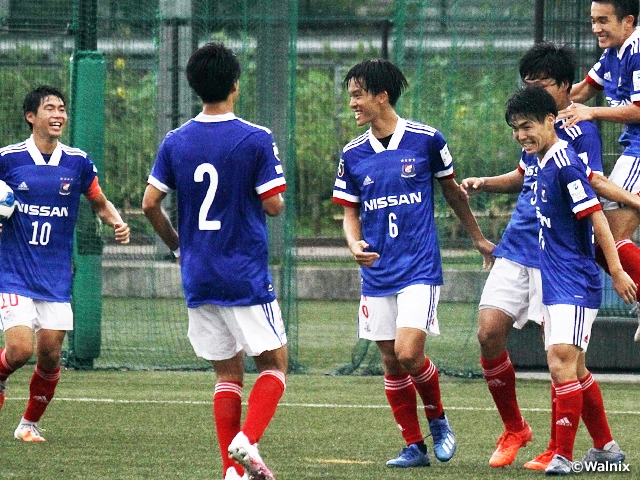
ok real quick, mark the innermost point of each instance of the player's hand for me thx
(364, 259)
(624, 286)
(486, 248)
(0, 228)
(471, 186)
(575, 113)
(122, 232)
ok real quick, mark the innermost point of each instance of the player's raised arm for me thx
(506, 183)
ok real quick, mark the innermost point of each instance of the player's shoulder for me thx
(584, 129)
(72, 151)
(253, 127)
(356, 142)
(630, 48)
(14, 148)
(420, 128)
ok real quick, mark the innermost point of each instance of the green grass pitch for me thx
(158, 425)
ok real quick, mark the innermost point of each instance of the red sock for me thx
(427, 384)
(41, 390)
(629, 255)
(263, 401)
(593, 413)
(227, 411)
(554, 415)
(401, 395)
(568, 408)
(5, 368)
(501, 380)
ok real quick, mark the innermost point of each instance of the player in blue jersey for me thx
(48, 179)
(227, 175)
(512, 293)
(385, 182)
(570, 217)
(614, 22)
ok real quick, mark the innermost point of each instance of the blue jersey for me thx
(393, 188)
(519, 242)
(618, 74)
(36, 243)
(570, 275)
(221, 168)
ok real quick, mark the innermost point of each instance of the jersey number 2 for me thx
(198, 176)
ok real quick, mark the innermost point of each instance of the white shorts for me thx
(568, 325)
(36, 314)
(514, 289)
(219, 333)
(625, 174)
(412, 307)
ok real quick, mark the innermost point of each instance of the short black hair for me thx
(212, 71)
(531, 102)
(377, 76)
(548, 60)
(624, 8)
(35, 97)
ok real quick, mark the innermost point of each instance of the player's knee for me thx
(19, 355)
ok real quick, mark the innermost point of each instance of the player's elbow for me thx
(273, 205)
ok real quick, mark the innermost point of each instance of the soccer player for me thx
(512, 293)
(570, 217)
(227, 176)
(617, 72)
(385, 183)
(36, 244)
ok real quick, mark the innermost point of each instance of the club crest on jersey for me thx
(341, 168)
(408, 170)
(65, 186)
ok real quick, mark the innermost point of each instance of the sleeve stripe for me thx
(273, 191)
(595, 81)
(443, 174)
(345, 203)
(587, 208)
(353, 199)
(265, 187)
(158, 184)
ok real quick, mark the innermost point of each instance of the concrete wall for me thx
(162, 280)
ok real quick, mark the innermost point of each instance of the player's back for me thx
(217, 165)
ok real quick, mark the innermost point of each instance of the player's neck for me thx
(385, 124)
(45, 144)
(218, 108)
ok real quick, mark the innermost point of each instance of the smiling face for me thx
(367, 107)
(50, 119)
(534, 137)
(610, 32)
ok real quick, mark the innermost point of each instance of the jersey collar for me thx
(560, 144)
(225, 117)
(395, 138)
(54, 161)
(633, 37)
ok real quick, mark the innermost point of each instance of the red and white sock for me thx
(427, 384)
(593, 413)
(629, 255)
(263, 401)
(5, 368)
(501, 380)
(41, 390)
(401, 395)
(227, 413)
(568, 410)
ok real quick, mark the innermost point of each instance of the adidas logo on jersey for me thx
(23, 186)
(367, 181)
(496, 382)
(564, 422)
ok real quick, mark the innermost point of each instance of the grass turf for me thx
(158, 425)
